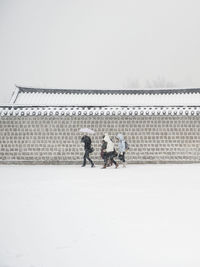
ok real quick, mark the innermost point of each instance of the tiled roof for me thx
(75, 97)
(98, 111)
(47, 102)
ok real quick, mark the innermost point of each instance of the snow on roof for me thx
(46, 102)
(27, 96)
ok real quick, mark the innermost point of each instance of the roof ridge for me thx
(110, 91)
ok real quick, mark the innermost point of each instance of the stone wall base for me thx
(97, 163)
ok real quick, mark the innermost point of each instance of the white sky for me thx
(98, 44)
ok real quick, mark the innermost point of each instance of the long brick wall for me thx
(56, 139)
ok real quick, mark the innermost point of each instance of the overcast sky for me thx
(98, 44)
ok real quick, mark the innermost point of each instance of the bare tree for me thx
(160, 82)
(133, 84)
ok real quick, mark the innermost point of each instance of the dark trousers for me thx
(86, 156)
(123, 157)
(104, 157)
(110, 156)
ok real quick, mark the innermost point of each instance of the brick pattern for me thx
(56, 139)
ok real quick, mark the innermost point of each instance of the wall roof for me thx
(26, 96)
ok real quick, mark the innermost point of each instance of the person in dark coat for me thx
(104, 153)
(88, 149)
(103, 150)
(122, 148)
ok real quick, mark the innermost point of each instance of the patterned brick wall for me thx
(56, 139)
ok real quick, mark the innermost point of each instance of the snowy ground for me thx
(67, 216)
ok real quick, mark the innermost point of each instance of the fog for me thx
(99, 44)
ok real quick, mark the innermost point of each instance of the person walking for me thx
(88, 149)
(121, 148)
(110, 149)
(103, 150)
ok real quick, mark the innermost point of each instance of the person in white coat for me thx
(110, 150)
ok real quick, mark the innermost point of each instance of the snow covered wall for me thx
(56, 139)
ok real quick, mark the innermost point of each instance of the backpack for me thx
(126, 146)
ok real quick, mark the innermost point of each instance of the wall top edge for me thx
(93, 111)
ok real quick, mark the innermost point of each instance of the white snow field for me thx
(68, 216)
